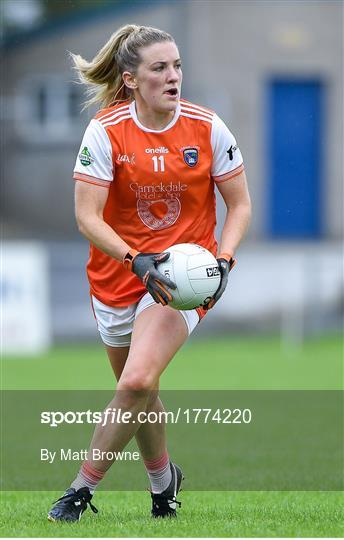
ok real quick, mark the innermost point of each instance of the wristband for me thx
(226, 256)
(128, 258)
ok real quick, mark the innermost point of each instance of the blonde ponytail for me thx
(103, 75)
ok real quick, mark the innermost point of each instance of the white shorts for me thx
(115, 324)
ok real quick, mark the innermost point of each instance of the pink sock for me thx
(88, 477)
(159, 473)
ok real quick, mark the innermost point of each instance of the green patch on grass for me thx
(212, 514)
(200, 365)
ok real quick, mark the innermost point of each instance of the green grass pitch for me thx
(214, 364)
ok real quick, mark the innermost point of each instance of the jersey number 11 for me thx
(158, 163)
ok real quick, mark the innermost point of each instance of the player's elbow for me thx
(242, 212)
(246, 212)
(242, 206)
(248, 208)
(82, 223)
(81, 227)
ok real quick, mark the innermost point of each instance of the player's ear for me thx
(129, 80)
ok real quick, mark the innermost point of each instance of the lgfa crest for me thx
(190, 156)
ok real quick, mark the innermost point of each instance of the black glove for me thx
(225, 266)
(144, 265)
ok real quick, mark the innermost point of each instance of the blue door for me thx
(295, 151)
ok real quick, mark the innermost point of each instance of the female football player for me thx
(145, 177)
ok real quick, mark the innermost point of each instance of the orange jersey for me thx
(161, 186)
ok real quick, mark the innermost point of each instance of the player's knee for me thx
(152, 397)
(140, 383)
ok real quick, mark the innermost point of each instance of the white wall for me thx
(25, 305)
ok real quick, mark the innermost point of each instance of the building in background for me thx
(272, 70)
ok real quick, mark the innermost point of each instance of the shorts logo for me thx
(190, 156)
(85, 157)
(213, 271)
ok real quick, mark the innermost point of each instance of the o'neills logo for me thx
(159, 150)
(158, 190)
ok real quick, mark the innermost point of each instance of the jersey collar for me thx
(132, 110)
